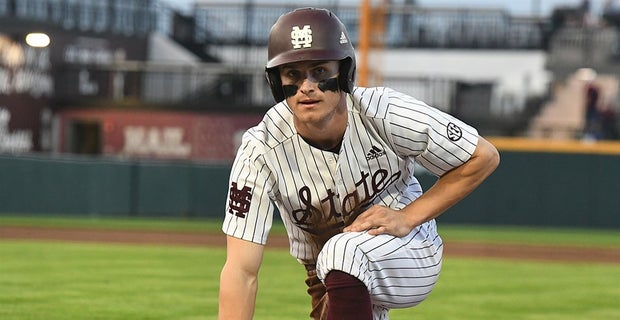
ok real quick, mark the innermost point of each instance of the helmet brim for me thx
(306, 55)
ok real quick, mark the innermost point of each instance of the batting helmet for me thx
(309, 34)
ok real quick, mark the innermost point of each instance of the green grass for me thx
(59, 280)
(531, 235)
(129, 223)
(40, 280)
(496, 289)
(67, 280)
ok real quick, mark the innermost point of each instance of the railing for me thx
(584, 46)
(243, 29)
(249, 23)
(205, 86)
(407, 26)
(126, 17)
(215, 87)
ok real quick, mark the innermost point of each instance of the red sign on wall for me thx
(159, 135)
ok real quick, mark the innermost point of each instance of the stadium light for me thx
(37, 40)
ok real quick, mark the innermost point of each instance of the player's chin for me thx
(309, 115)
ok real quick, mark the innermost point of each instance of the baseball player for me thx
(337, 163)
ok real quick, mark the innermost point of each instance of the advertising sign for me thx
(26, 84)
(155, 135)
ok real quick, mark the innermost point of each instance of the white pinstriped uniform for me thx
(317, 192)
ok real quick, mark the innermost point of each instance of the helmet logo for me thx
(301, 38)
(343, 38)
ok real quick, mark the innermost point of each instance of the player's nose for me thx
(307, 85)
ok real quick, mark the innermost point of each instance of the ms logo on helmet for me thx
(301, 38)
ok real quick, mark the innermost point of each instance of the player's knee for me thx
(342, 252)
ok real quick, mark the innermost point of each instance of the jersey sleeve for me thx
(435, 139)
(249, 209)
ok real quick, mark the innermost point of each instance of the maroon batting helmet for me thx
(309, 34)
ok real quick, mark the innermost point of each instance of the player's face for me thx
(311, 90)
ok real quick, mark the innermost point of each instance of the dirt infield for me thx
(456, 249)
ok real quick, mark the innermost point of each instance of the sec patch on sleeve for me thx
(454, 132)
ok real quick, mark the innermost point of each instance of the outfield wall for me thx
(558, 184)
(542, 183)
(97, 187)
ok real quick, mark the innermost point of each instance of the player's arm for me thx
(239, 279)
(449, 189)
(454, 185)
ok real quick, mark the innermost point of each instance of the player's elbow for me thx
(237, 294)
(489, 155)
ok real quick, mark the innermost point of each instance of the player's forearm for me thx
(455, 185)
(446, 192)
(237, 295)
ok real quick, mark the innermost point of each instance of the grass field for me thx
(65, 280)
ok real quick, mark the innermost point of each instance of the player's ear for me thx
(346, 80)
(275, 83)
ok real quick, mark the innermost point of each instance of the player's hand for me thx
(381, 220)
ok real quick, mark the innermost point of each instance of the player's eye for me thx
(292, 75)
(321, 73)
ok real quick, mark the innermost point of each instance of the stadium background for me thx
(136, 108)
(116, 141)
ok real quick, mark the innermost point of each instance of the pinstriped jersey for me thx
(317, 192)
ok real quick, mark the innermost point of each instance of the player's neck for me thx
(327, 145)
(325, 137)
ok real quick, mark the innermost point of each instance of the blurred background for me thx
(136, 107)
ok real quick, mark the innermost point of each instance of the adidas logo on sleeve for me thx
(374, 153)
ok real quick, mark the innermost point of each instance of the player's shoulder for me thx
(376, 102)
(275, 127)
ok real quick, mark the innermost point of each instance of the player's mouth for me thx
(308, 102)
